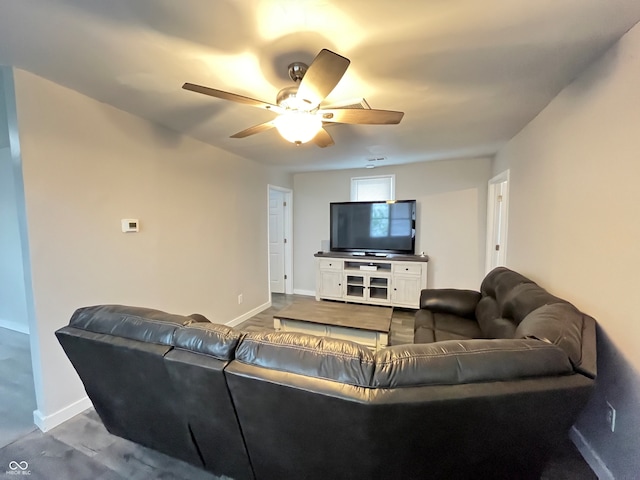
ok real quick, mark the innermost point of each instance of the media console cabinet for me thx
(395, 280)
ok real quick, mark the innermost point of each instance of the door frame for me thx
(491, 220)
(288, 235)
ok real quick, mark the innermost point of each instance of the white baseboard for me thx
(47, 422)
(248, 315)
(308, 293)
(15, 326)
(590, 456)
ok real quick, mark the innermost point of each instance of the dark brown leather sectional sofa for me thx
(284, 405)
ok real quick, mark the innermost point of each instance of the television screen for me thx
(373, 227)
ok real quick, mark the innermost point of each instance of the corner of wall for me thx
(47, 422)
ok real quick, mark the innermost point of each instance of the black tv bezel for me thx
(412, 251)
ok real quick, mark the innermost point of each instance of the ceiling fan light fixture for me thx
(298, 127)
(300, 107)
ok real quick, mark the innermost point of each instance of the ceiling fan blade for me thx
(212, 92)
(323, 139)
(360, 116)
(262, 127)
(323, 75)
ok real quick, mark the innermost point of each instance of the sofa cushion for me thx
(309, 355)
(490, 321)
(218, 341)
(524, 299)
(135, 323)
(497, 327)
(437, 327)
(496, 289)
(468, 361)
(559, 324)
(499, 282)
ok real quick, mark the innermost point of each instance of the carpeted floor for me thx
(82, 449)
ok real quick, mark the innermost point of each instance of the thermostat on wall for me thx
(130, 225)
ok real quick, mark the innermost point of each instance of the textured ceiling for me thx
(468, 74)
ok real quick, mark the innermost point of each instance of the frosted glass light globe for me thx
(298, 127)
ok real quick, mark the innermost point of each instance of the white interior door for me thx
(497, 217)
(276, 241)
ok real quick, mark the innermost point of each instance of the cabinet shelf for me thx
(378, 293)
(380, 267)
(355, 291)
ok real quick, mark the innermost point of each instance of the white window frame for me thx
(354, 187)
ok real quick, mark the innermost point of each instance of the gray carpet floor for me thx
(82, 449)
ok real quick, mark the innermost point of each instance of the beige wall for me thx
(451, 216)
(202, 212)
(574, 226)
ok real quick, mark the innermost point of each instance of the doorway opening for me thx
(497, 221)
(18, 335)
(280, 233)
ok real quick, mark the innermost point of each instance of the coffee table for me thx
(364, 324)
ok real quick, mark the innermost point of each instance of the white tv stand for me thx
(394, 280)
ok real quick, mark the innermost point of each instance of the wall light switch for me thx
(130, 225)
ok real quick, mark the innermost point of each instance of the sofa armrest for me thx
(449, 300)
(199, 318)
(588, 364)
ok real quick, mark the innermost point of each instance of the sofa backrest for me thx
(513, 306)
(291, 392)
(467, 361)
(507, 298)
(309, 355)
(196, 368)
(563, 325)
(118, 352)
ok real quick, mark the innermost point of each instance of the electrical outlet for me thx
(240, 299)
(611, 417)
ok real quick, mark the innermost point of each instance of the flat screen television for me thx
(373, 227)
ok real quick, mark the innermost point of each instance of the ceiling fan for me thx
(301, 116)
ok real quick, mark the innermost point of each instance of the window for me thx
(381, 187)
(391, 220)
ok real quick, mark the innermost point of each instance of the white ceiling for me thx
(468, 74)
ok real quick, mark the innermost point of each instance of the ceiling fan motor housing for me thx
(297, 71)
(287, 98)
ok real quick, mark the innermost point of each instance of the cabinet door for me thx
(330, 284)
(406, 291)
(355, 287)
(378, 289)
